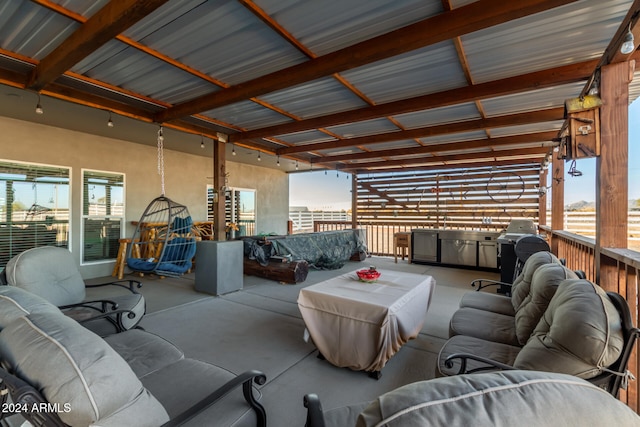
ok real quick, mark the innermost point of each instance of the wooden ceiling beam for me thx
(547, 115)
(448, 158)
(104, 25)
(449, 146)
(466, 19)
(539, 79)
(533, 161)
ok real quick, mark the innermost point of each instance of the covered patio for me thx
(444, 114)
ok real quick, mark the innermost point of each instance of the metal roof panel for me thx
(329, 25)
(531, 43)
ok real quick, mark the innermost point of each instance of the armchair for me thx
(51, 273)
(584, 332)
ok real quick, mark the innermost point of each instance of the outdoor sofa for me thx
(133, 378)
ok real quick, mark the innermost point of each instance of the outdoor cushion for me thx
(513, 330)
(532, 399)
(580, 333)
(519, 289)
(521, 286)
(484, 325)
(16, 302)
(143, 351)
(543, 287)
(499, 352)
(72, 366)
(60, 282)
(179, 385)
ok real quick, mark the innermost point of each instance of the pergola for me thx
(455, 91)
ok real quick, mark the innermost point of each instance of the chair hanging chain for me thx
(161, 158)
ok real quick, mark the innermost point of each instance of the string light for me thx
(39, 109)
(278, 161)
(259, 158)
(296, 165)
(201, 141)
(233, 150)
(110, 122)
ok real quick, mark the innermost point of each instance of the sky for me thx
(332, 191)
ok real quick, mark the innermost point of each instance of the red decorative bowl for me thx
(368, 275)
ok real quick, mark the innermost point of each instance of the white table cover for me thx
(362, 325)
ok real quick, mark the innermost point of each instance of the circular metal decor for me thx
(505, 187)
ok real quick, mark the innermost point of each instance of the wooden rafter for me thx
(517, 84)
(472, 17)
(104, 25)
(537, 151)
(547, 115)
(444, 147)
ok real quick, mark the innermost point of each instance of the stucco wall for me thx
(185, 176)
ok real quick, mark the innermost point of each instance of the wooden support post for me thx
(557, 198)
(219, 173)
(542, 200)
(612, 175)
(354, 201)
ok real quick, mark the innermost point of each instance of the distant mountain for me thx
(580, 206)
(634, 204)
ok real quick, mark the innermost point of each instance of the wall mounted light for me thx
(39, 109)
(628, 46)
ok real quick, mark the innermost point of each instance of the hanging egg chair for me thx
(163, 241)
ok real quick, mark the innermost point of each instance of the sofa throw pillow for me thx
(77, 370)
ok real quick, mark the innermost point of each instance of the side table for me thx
(219, 266)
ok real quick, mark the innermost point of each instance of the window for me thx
(34, 207)
(102, 215)
(240, 209)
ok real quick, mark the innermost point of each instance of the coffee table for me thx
(362, 325)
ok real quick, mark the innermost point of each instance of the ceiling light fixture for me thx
(296, 165)
(233, 150)
(201, 141)
(110, 122)
(628, 46)
(259, 158)
(278, 161)
(39, 109)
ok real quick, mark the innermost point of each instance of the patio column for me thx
(542, 199)
(612, 178)
(219, 172)
(557, 197)
(354, 200)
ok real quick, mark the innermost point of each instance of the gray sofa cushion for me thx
(499, 352)
(485, 325)
(532, 399)
(181, 384)
(60, 283)
(16, 302)
(71, 365)
(521, 286)
(144, 352)
(543, 287)
(519, 290)
(513, 330)
(494, 303)
(580, 333)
